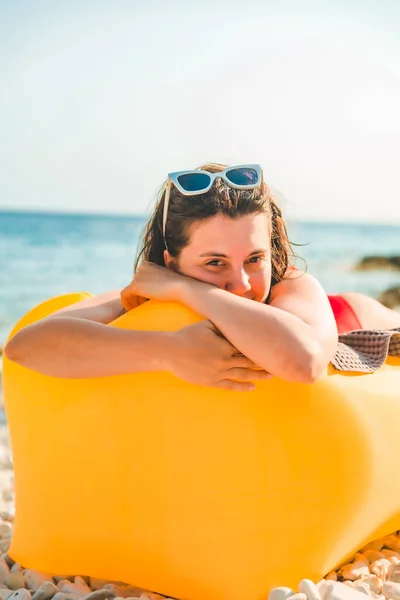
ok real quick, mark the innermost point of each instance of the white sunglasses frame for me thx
(173, 179)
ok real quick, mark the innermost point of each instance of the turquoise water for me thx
(43, 255)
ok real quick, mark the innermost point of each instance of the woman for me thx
(216, 242)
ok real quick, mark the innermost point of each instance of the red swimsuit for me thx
(346, 318)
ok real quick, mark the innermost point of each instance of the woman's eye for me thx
(214, 263)
(256, 259)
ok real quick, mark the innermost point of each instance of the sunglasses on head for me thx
(192, 183)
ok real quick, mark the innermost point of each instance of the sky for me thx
(99, 100)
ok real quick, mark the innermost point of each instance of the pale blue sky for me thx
(100, 99)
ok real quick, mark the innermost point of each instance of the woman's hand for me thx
(153, 282)
(202, 356)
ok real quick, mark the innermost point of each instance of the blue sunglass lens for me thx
(243, 176)
(194, 182)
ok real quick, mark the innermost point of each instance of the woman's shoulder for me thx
(297, 282)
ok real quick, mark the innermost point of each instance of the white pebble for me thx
(391, 590)
(308, 587)
(34, 579)
(125, 591)
(60, 596)
(97, 584)
(77, 589)
(380, 567)
(15, 581)
(394, 573)
(5, 530)
(375, 545)
(373, 582)
(5, 594)
(361, 587)
(391, 541)
(355, 570)
(373, 555)
(4, 570)
(390, 554)
(280, 593)
(339, 591)
(46, 591)
(323, 587)
(16, 567)
(360, 557)
(21, 594)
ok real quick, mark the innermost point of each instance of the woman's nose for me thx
(239, 283)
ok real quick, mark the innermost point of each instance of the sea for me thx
(47, 254)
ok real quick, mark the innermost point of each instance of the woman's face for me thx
(232, 254)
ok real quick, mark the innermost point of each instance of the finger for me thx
(248, 374)
(235, 386)
(242, 362)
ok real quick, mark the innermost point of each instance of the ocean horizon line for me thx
(118, 215)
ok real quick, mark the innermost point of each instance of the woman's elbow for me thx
(309, 366)
(314, 365)
(12, 350)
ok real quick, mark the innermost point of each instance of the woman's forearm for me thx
(274, 339)
(77, 348)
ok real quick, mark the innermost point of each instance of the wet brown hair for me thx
(221, 199)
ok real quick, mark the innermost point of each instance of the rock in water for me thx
(371, 263)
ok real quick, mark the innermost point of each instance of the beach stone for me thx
(60, 596)
(355, 570)
(35, 579)
(16, 567)
(5, 530)
(360, 586)
(374, 545)
(47, 590)
(378, 262)
(359, 557)
(9, 560)
(15, 581)
(390, 554)
(81, 583)
(391, 590)
(4, 571)
(373, 555)
(4, 545)
(5, 594)
(280, 593)
(98, 595)
(21, 594)
(78, 587)
(380, 567)
(57, 578)
(339, 591)
(393, 573)
(309, 589)
(98, 584)
(71, 589)
(124, 591)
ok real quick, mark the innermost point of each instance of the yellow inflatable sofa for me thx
(195, 492)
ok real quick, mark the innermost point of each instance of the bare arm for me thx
(294, 337)
(75, 342)
(103, 308)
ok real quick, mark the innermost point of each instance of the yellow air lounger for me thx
(195, 492)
